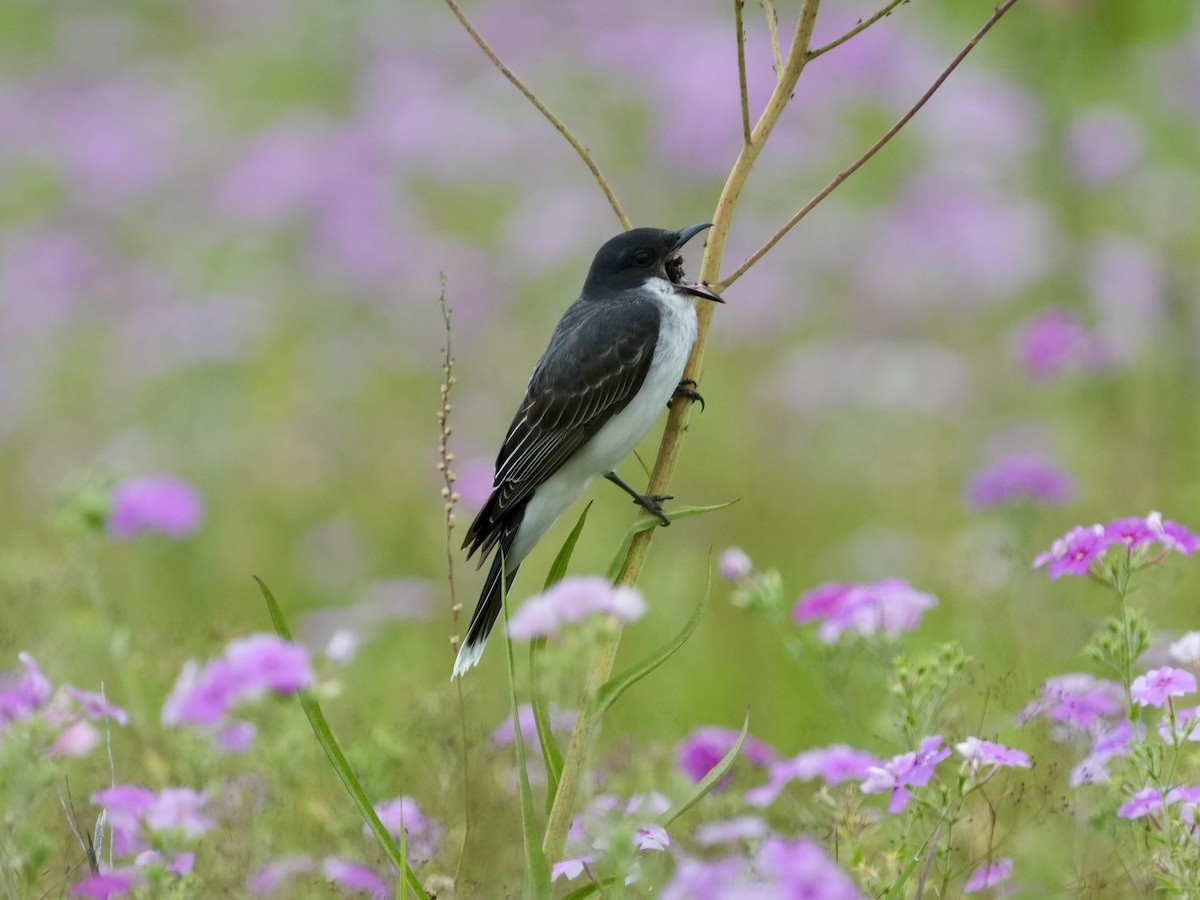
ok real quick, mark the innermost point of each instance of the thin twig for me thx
(554, 120)
(857, 29)
(773, 27)
(874, 148)
(741, 45)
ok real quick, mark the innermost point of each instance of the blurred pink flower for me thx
(1145, 802)
(1074, 552)
(22, 694)
(1020, 476)
(889, 606)
(179, 809)
(77, 739)
(1077, 701)
(154, 503)
(573, 600)
(105, 885)
(561, 722)
(423, 834)
(701, 750)
(267, 880)
(728, 831)
(989, 876)
(907, 770)
(1054, 343)
(356, 877)
(978, 753)
(1101, 145)
(734, 564)
(833, 765)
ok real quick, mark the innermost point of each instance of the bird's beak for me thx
(686, 234)
(699, 290)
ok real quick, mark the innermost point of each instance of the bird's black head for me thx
(629, 260)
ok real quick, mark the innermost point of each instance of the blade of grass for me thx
(537, 873)
(558, 569)
(709, 781)
(337, 758)
(645, 523)
(618, 685)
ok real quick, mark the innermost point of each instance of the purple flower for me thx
(561, 722)
(267, 661)
(728, 831)
(989, 876)
(890, 606)
(1102, 145)
(1183, 726)
(104, 885)
(403, 815)
(203, 696)
(22, 694)
(1145, 802)
(907, 770)
(985, 753)
(125, 805)
(651, 837)
(734, 564)
(801, 869)
(1109, 744)
(237, 737)
(1055, 343)
(572, 867)
(356, 877)
(573, 600)
(77, 739)
(833, 765)
(1073, 553)
(1153, 688)
(96, 706)
(154, 503)
(1020, 476)
(701, 750)
(179, 809)
(1077, 701)
(267, 880)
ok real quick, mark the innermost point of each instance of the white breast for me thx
(625, 430)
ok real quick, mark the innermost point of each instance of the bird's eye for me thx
(643, 258)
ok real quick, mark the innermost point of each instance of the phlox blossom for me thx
(989, 876)
(160, 504)
(1153, 688)
(1020, 476)
(980, 753)
(890, 606)
(573, 600)
(1145, 802)
(1076, 551)
(701, 750)
(913, 769)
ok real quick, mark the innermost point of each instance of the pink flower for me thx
(700, 751)
(833, 765)
(95, 706)
(561, 722)
(402, 815)
(728, 831)
(106, 885)
(154, 503)
(1102, 145)
(22, 694)
(1078, 701)
(1143, 803)
(125, 805)
(356, 877)
(1055, 343)
(1073, 553)
(268, 661)
(1020, 476)
(985, 753)
(268, 879)
(989, 876)
(890, 606)
(1183, 726)
(179, 809)
(77, 739)
(1153, 688)
(573, 600)
(907, 770)
(734, 564)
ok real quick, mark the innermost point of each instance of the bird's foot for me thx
(687, 389)
(652, 503)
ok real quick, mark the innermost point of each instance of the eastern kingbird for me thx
(614, 361)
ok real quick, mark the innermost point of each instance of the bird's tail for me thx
(488, 608)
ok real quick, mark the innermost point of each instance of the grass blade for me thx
(619, 684)
(551, 754)
(709, 781)
(337, 758)
(558, 569)
(645, 523)
(537, 872)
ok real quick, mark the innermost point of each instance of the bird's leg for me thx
(687, 388)
(648, 502)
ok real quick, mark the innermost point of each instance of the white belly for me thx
(621, 433)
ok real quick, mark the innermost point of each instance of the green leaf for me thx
(645, 523)
(337, 758)
(537, 872)
(709, 781)
(551, 754)
(558, 568)
(608, 693)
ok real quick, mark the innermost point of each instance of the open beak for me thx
(699, 290)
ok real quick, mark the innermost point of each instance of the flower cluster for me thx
(701, 750)
(890, 606)
(573, 600)
(154, 504)
(27, 696)
(1146, 539)
(1020, 476)
(833, 765)
(788, 869)
(402, 816)
(269, 880)
(250, 667)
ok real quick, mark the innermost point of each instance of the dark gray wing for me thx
(595, 364)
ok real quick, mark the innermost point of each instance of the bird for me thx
(614, 361)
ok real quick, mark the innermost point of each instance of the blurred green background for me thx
(222, 229)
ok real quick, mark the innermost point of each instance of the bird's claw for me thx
(652, 504)
(687, 388)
